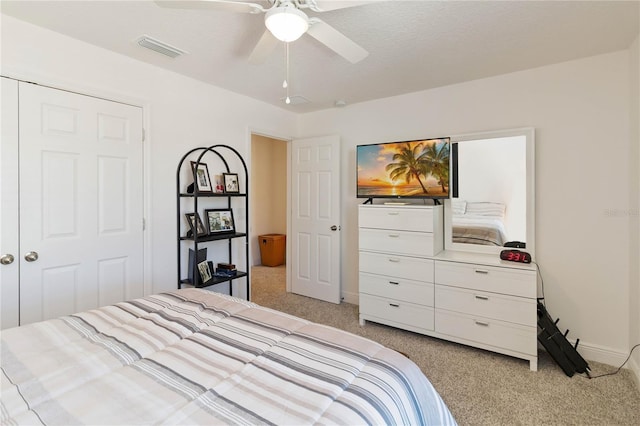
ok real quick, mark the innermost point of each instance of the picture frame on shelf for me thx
(231, 184)
(205, 270)
(218, 184)
(201, 177)
(220, 221)
(196, 227)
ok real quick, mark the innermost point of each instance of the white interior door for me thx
(9, 248)
(315, 218)
(81, 202)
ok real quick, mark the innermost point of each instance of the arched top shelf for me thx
(218, 150)
(189, 195)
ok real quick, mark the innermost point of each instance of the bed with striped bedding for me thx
(478, 222)
(483, 230)
(197, 357)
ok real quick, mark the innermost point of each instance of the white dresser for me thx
(488, 303)
(408, 281)
(397, 245)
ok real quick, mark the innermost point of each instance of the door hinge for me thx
(144, 224)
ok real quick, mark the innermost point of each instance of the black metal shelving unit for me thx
(186, 242)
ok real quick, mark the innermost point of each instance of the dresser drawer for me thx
(499, 334)
(397, 288)
(402, 218)
(411, 268)
(396, 311)
(515, 282)
(399, 242)
(518, 310)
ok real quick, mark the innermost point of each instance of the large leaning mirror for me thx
(493, 197)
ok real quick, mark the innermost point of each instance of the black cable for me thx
(619, 368)
(541, 285)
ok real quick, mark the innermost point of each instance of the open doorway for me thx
(268, 199)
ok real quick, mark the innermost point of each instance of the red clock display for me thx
(515, 256)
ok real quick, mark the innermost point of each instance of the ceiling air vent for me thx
(160, 47)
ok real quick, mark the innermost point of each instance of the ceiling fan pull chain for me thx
(285, 84)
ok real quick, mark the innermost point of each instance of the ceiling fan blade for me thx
(327, 5)
(224, 5)
(336, 41)
(265, 46)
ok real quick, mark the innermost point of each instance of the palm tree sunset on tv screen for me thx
(404, 169)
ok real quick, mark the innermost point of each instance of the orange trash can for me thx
(272, 249)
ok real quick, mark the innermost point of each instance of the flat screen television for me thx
(407, 169)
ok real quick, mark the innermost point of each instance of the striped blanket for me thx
(475, 229)
(197, 357)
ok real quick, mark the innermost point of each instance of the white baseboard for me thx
(634, 366)
(352, 298)
(602, 354)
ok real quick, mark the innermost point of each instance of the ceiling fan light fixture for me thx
(286, 23)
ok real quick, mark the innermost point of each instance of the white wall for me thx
(180, 113)
(580, 110)
(268, 190)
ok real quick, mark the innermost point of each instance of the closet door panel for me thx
(59, 195)
(112, 200)
(57, 284)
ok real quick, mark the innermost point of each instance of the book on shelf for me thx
(226, 272)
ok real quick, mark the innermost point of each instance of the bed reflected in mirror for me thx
(495, 196)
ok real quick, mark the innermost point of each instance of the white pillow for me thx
(486, 209)
(458, 206)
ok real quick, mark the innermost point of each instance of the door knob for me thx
(32, 256)
(7, 259)
(334, 228)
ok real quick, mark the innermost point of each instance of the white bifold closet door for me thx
(81, 202)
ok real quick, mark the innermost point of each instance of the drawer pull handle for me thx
(394, 283)
(481, 297)
(394, 260)
(481, 271)
(394, 305)
(484, 324)
(393, 213)
(394, 235)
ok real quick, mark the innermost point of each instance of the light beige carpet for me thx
(480, 387)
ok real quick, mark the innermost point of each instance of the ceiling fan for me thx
(286, 21)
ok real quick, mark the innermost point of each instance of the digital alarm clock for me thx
(515, 256)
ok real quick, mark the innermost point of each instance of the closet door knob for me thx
(7, 259)
(32, 256)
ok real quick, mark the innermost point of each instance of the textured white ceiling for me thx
(413, 45)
